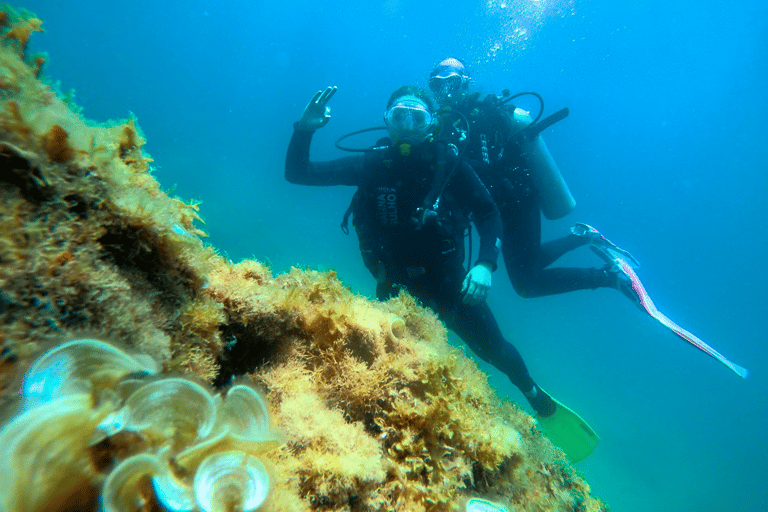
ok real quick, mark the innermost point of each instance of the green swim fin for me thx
(569, 432)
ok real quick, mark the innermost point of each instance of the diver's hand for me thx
(317, 113)
(477, 284)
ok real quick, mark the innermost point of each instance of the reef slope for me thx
(377, 412)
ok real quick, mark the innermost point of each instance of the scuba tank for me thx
(555, 197)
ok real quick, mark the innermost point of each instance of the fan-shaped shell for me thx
(171, 408)
(122, 491)
(173, 494)
(481, 505)
(231, 481)
(397, 327)
(245, 414)
(44, 453)
(78, 366)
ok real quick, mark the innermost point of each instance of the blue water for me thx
(665, 150)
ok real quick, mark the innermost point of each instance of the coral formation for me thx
(376, 411)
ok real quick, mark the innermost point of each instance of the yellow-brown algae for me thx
(373, 413)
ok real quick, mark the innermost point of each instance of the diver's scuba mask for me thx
(446, 83)
(446, 86)
(408, 120)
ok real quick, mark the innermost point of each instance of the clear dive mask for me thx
(408, 120)
(447, 85)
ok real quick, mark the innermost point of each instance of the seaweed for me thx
(378, 412)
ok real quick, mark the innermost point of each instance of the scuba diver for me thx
(414, 202)
(504, 148)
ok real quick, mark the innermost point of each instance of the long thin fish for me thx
(645, 303)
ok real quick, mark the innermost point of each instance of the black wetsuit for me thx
(510, 184)
(424, 258)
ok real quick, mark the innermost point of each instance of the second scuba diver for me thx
(414, 199)
(510, 158)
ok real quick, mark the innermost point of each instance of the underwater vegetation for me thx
(141, 370)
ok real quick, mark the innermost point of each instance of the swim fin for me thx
(634, 289)
(596, 239)
(569, 432)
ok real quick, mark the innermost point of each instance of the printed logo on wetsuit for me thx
(386, 206)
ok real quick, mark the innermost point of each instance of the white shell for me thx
(231, 481)
(44, 452)
(78, 366)
(245, 414)
(121, 491)
(242, 424)
(112, 424)
(171, 408)
(397, 327)
(172, 494)
(481, 505)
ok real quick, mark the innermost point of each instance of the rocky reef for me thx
(141, 370)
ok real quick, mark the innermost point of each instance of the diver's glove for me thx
(317, 113)
(477, 284)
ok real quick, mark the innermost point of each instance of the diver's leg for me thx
(521, 241)
(526, 259)
(477, 327)
(530, 282)
(554, 249)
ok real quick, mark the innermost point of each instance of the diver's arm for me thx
(299, 170)
(487, 220)
(297, 159)
(485, 215)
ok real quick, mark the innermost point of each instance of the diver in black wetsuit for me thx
(523, 180)
(414, 198)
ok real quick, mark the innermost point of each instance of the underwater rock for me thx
(365, 406)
